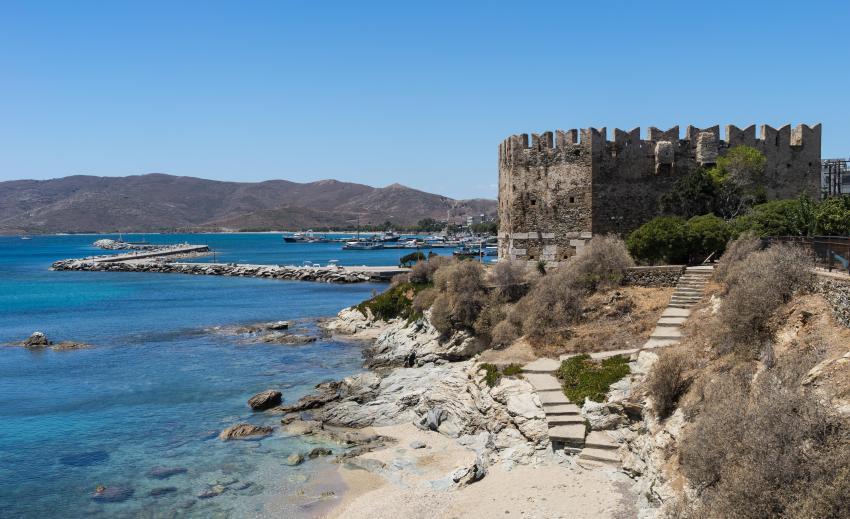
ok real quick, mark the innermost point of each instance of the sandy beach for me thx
(405, 483)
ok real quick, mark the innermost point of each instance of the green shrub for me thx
(708, 234)
(662, 239)
(694, 194)
(833, 216)
(583, 377)
(492, 373)
(512, 370)
(396, 301)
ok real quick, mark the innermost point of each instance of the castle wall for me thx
(558, 189)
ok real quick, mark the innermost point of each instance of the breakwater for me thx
(163, 261)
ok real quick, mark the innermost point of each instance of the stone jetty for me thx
(163, 261)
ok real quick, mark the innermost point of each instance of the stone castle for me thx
(561, 188)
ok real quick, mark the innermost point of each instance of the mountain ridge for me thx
(162, 202)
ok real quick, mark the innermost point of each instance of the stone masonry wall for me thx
(837, 293)
(656, 276)
(558, 189)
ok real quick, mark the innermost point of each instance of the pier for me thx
(164, 261)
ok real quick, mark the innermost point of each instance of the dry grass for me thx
(611, 320)
(669, 379)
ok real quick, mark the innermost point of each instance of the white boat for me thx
(362, 245)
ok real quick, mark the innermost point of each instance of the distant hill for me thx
(158, 202)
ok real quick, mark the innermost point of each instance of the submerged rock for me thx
(265, 400)
(213, 491)
(70, 345)
(244, 431)
(319, 451)
(112, 494)
(161, 491)
(165, 472)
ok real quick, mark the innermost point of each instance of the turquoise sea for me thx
(160, 382)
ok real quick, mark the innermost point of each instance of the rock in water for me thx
(244, 431)
(294, 459)
(319, 451)
(37, 340)
(265, 400)
(215, 490)
(279, 325)
(161, 491)
(112, 494)
(165, 472)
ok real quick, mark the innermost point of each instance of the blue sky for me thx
(419, 93)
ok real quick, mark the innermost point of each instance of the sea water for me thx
(160, 381)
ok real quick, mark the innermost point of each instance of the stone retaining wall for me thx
(657, 276)
(837, 292)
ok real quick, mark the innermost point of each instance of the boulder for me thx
(319, 451)
(294, 459)
(37, 340)
(265, 400)
(244, 430)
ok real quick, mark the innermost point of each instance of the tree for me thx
(694, 194)
(664, 238)
(779, 218)
(740, 178)
(833, 216)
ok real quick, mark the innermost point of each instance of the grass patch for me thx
(397, 301)
(584, 377)
(492, 374)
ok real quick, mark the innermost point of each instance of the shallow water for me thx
(159, 383)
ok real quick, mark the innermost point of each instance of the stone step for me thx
(694, 297)
(659, 343)
(569, 434)
(554, 421)
(700, 268)
(666, 332)
(542, 366)
(675, 312)
(681, 306)
(671, 321)
(562, 410)
(688, 291)
(600, 440)
(552, 398)
(542, 382)
(600, 455)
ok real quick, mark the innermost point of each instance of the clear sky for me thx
(419, 93)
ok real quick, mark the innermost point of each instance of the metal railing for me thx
(830, 252)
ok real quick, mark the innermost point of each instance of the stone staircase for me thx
(566, 425)
(689, 290)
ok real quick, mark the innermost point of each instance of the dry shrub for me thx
(462, 296)
(400, 279)
(491, 314)
(510, 280)
(736, 251)
(669, 379)
(756, 286)
(424, 299)
(599, 264)
(503, 334)
(423, 271)
(762, 446)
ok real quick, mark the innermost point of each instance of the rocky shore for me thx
(321, 274)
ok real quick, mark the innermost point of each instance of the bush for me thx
(409, 259)
(585, 378)
(669, 380)
(736, 251)
(509, 280)
(765, 447)
(708, 234)
(503, 334)
(692, 195)
(462, 296)
(423, 271)
(662, 239)
(599, 264)
(492, 374)
(776, 218)
(833, 216)
(396, 301)
(755, 288)
(552, 305)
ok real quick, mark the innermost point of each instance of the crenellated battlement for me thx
(523, 146)
(555, 184)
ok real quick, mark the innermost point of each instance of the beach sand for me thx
(403, 488)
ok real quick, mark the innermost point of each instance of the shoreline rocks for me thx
(243, 431)
(39, 341)
(265, 400)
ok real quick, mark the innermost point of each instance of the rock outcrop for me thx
(265, 400)
(243, 431)
(37, 340)
(418, 343)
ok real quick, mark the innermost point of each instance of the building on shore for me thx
(558, 189)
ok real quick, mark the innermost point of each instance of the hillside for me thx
(158, 202)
